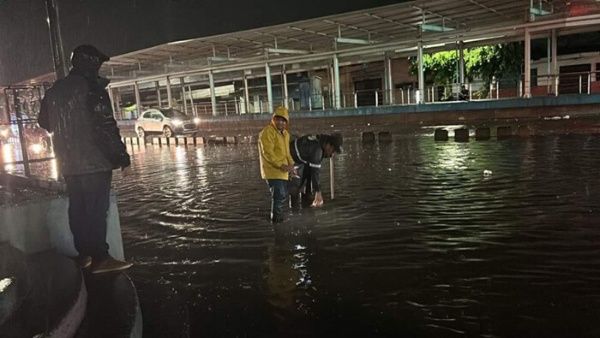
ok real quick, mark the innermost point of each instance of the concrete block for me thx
(368, 137)
(503, 132)
(156, 140)
(199, 140)
(189, 141)
(230, 139)
(461, 135)
(440, 135)
(482, 134)
(40, 225)
(384, 137)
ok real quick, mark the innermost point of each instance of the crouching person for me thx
(308, 152)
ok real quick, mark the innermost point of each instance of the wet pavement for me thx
(492, 239)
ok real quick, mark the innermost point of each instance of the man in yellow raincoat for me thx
(276, 162)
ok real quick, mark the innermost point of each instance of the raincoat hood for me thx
(281, 112)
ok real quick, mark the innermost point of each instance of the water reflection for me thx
(418, 242)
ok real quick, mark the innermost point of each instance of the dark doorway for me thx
(365, 91)
(571, 77)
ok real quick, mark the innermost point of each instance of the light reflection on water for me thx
(419, 242)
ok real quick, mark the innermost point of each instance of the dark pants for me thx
(89, 199)
(300, 188)
(278, 197)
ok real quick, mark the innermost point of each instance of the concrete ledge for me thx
(40, 225)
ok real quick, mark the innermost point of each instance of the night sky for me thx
(120, 26)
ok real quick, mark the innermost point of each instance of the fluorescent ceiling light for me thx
(435, 28)
(354, 41)
(286, 51)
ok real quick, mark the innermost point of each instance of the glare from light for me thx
(4, 283)
(196, 120)
(4, 133)
(36, 148)
(177, 123)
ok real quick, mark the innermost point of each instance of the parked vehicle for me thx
(166, 121)
(37, 138)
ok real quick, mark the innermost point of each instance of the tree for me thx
(503, 61)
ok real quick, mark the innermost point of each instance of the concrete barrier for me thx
(43, 224)
(384, 137)
(503, 133)
(368, 137)
(482, 134)
(440, 135)
(461, 135)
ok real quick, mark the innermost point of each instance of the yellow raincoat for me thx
(274, 149)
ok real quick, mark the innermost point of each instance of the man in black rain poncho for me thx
(88, 146)
(308, 151)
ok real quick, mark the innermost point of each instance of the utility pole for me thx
(58, 56)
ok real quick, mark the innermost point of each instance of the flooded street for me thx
(477, 239)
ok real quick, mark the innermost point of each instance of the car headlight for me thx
(177, 123)
(196, 120)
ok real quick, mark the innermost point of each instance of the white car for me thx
(166, 121)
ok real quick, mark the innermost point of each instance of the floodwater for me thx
(423, 239)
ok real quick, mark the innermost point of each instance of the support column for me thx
(138, 101)
(111, 97)
(527, 82)
(336, 83)
(388, 83)
(246, 94)
(420, 98)
(213, 98)
(157, 86)
(169, 93)
(285, 87)
(182, 84)
(461, 62)
(269, 88)
(555, 70)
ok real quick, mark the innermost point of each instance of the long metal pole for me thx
(461, 63)
(331, 178)
(58, 55)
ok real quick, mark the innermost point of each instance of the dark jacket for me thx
(308, 150)
(86, 138)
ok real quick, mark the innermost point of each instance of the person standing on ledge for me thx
(308, 152)
(88, 146)
(276, 162)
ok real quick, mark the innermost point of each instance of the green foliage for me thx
(501, 61)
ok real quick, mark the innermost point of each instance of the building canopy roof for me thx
(395, 29)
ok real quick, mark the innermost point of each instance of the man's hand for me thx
(318, 201)
(288, 167)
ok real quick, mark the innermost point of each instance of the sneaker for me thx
(83, 261)
(109, 264)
